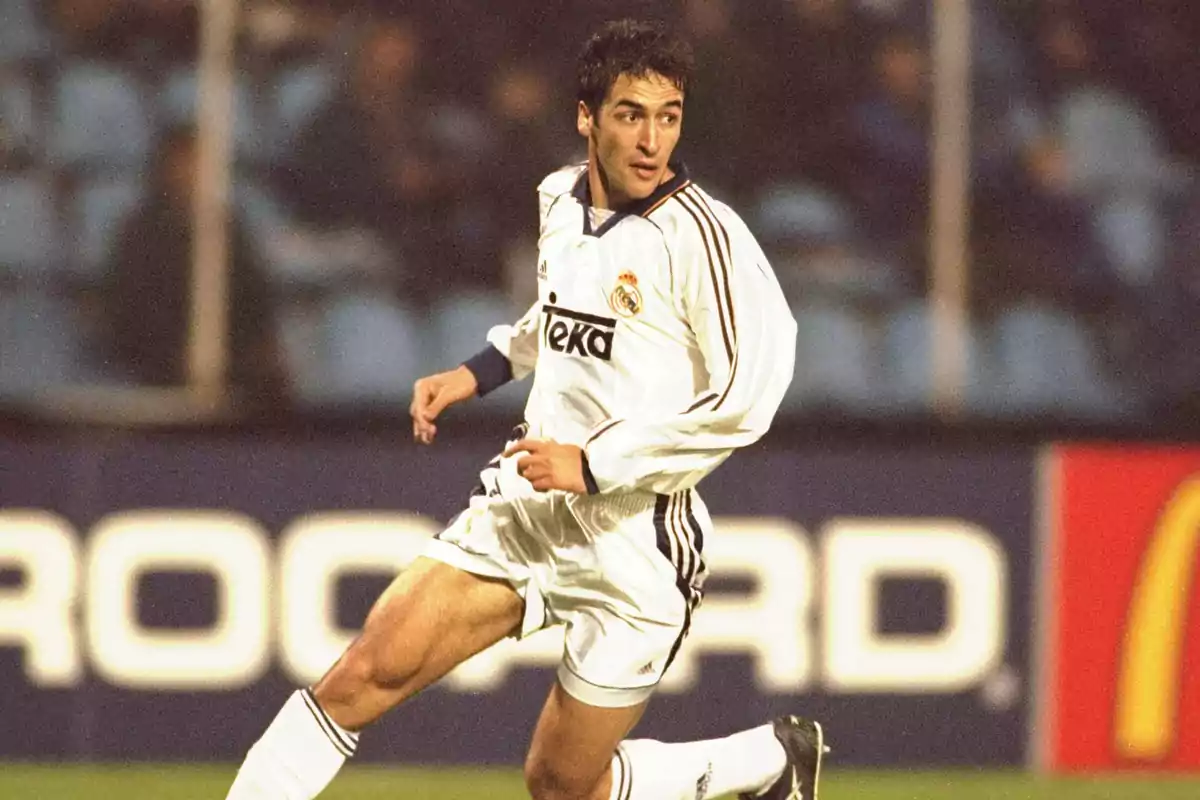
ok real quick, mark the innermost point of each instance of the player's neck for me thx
(599, 196)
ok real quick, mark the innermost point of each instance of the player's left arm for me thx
(747, 337)
(552, 465)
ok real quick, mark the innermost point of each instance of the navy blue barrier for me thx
(161, 594)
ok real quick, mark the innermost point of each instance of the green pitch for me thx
(175, 782)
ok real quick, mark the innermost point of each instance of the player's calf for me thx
(557, 781)
(362, 686)
(571, 753)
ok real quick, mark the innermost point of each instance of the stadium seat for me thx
(299, 95)
(458, 330)
(20, 134)
(101, 120)
(251, 137)
(1118, 161)
(460, 322)
(908, 362)
(1133, 233)
(836, 362)
(301, 256)
(39, 344)
(803, 212)
(29, 229)
(98, 208)
(266, 224)
(21, 36)
(1048, 363)
(1111, 142)
(358, 349)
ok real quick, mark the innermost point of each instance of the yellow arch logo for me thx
(1152, 653)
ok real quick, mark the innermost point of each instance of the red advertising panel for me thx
(1125, 684)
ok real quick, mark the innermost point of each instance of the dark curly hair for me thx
(634, 48)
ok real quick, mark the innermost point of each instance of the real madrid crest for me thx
(625, 299)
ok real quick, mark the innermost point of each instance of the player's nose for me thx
(648, 142)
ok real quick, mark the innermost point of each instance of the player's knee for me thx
(547, 780)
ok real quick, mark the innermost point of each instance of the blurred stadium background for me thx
(233, 232)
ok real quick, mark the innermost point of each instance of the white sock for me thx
(298, 755)
(750, 761)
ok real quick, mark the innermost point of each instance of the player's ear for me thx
(584, 120)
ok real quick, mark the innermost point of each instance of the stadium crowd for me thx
(385, 214)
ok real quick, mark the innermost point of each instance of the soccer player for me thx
(659, 344)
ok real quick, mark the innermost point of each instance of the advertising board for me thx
(161, 595)
(1126, 629)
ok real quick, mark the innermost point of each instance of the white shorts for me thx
(623, 573)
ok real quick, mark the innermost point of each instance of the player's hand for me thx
(431, 396)
(549, 465)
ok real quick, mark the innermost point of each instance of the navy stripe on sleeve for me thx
(589, 480)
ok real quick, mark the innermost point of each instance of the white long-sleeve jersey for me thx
(660, 341)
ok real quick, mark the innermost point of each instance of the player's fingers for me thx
(437, 404)
(427, 433)
(534, 470)
(423, 392)
(540, 477)
(522, 446)
(422, 429)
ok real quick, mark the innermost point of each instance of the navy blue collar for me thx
(583, 193)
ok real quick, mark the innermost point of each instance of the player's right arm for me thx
(433, 394)
(511, 353)
(512, 349)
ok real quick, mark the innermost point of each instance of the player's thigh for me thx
(431, 618)
(573, 746)
(442, 613)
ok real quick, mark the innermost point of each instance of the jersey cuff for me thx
(600, 467)
(490, 368)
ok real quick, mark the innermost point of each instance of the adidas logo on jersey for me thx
(574, 333)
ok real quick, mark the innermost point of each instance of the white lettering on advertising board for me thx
(807, 620)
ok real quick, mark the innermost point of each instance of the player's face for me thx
(631, 138)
